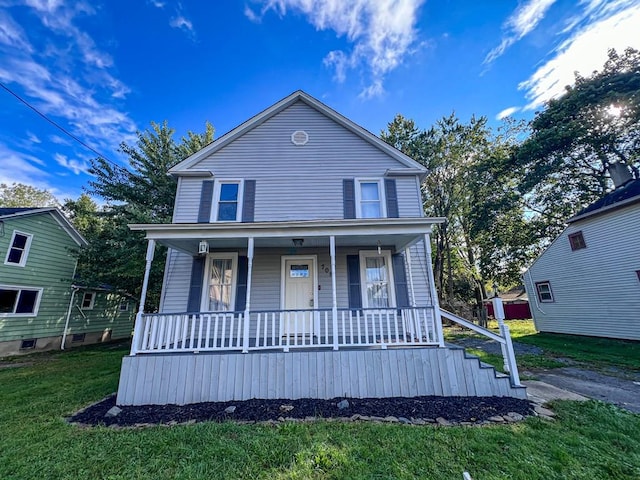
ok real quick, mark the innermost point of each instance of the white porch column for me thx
(407, 256)
(434, 292)
(137, 331)
(332, 251)
(247, 308)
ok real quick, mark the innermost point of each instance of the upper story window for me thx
(544, 292)
(18, 249)
(88, 299)
(19, 301)
(228, 198)
(576, 240)
(370, 199)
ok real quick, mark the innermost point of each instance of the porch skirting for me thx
(179, 378)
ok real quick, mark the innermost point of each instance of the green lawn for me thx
(596, 353)
(588, 441)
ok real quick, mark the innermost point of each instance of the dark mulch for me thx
(454, 409)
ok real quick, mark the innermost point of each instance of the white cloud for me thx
(181, 22)
(382, 33)
(62, 73)
(611, 25)
(33, 138)
(76, 166)
(19, 167)
(158, 4)
(251, 15)
(507, 112)
(522, 21)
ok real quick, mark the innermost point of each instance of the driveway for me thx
(622, 389)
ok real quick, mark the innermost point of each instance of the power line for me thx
(61, 128)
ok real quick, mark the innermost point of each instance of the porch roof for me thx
(398, 233)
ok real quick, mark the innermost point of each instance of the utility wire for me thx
(62, 129)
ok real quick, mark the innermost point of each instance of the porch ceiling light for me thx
(203, 247)
(297, 242)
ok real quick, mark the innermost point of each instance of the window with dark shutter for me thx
(353, 277)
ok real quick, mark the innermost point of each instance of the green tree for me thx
(21, 195)
(595, 123)
(468, 185)
(144, 193)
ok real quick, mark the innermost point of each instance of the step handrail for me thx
(508, 353)
(472, 326)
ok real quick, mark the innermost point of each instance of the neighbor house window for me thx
(576, 240)
(544, 291)
(19, 249)
(124, 306)
(369, 199)
(15, 301)
(377, 282)
(220, 285)
(228, 196)
(88, 300)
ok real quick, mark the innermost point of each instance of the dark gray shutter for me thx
(206, 200)
(195, 287)
(248, 201)
(349, 198)
(241, 287)
(391, 195)
(400, 278)
(353, 277)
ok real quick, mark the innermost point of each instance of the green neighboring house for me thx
(40, 306)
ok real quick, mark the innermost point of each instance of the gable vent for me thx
(299, 137)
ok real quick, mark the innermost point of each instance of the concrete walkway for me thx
(542, 392)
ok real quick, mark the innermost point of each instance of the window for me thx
(229, 200)
(28, 344)
(124, 306)
(369, 199)
(377, 281)
(544, 292)
(78, 337)
(19, 249)
(577, 241)
(87, 300)
(19, 301)
(220, 284)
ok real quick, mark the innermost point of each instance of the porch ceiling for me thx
(397, 233)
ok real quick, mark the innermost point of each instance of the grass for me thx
(589, 440)
(596, 353)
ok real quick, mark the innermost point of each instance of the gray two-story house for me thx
(299, 266)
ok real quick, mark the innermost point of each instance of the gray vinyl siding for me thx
(311, 175)
(266, 278)
(596, 290)
(50, 266)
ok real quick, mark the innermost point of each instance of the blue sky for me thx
(104, 69)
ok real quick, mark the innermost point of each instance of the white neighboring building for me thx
(587, 282)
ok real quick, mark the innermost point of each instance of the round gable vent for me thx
(299, 137)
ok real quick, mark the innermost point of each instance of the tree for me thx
(21, 195)
(145, 193)
(468, 185)
(595, 123)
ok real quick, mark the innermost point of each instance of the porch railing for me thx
(284, 329)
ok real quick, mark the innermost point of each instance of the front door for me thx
(299, 295)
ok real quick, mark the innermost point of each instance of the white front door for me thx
(299, 295)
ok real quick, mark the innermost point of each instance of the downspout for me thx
(74, 289)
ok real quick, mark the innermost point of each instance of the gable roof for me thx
(624, 195)
(57, 215)
(185, 165)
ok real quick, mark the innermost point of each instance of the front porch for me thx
(324, 309)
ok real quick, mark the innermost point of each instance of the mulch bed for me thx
(453, 409)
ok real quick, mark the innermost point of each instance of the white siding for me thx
(596, 290)
(309, 177)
